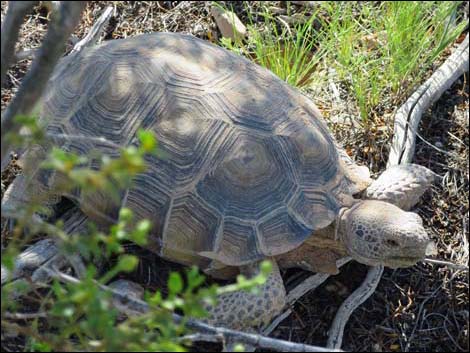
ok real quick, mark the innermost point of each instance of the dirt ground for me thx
(423, 308)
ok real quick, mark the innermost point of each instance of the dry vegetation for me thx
(423, 308)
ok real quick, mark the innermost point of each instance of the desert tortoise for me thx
(247, 170)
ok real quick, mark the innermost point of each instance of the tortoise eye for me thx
(391, 243)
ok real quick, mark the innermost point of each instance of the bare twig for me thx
(90, 39)
(61, 26)
(199, 337)
(29, 260)
(406, 122)
(359, 296)
(408, 116)
(309, 284)
(25, 316)
(447, 264)
(275, 323)
(198, 326)
(10, 29)
(26, 54)
(94, 34)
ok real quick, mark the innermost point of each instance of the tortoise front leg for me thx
(45, 254)
(401, 185)
(243, 310)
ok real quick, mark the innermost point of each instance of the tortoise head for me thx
(379, 233)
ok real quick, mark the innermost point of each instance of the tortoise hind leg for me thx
(243, 310)
(22, 193)
(36, 259)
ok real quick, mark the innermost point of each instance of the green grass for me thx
(290, 53)
(380, 51)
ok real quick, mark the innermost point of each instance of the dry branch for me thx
(10, 29)
(309, 284)
(359, 296)
(447, 264)
(409, 115)
(260, 341)
(407, 119)
(95, 32)
(90, 39)
(63, 22)
(30, 259)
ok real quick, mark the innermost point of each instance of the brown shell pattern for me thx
(246, 167)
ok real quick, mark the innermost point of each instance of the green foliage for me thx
(380, 51)
(385, 50)
(291, 54)
(81, 315)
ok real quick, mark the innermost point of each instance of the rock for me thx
(229, 24)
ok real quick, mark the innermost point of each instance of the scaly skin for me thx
(243, 310)
(401, 185)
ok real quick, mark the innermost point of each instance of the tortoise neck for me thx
(325, 238)
(318, 253)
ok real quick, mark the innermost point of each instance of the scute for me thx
(252, 179)
(246, 168)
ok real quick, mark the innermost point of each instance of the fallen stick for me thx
(309, 284)
(359, 296)
(447, 264)
(95, 32)
(409, 115)
(374, 275)
(90, 39)
(402, 152)
(260, 341)
(62, 25)
(10, 30)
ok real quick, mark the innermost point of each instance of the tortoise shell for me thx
(246, 169)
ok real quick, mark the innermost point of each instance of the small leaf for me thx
(147, 140)
(168, 304)
(266, 267)
(195, 279)
(127, 263)
(139, 235)
(8, 261)
(239, 347)
(125, 214)
(40, 346)
(175, 283)
(155, 299)
(68, 311)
